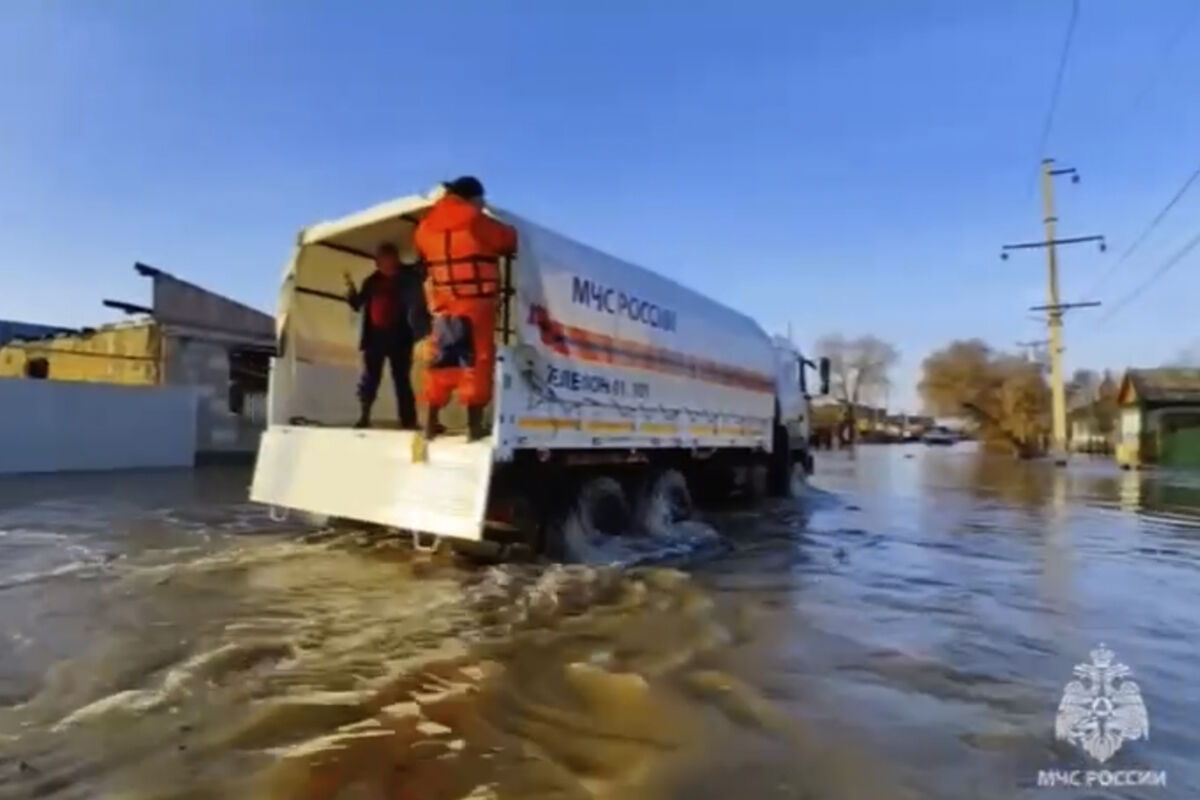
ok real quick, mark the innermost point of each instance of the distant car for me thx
(940, 436)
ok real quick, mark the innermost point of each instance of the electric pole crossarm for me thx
(1034, 349)
(1066, 306)
(1051, 242)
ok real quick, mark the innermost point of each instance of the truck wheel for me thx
(598, 510)
(712, 483)
(755, 482)
(663, 499)
(779, 479)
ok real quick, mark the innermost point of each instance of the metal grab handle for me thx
(428, 549)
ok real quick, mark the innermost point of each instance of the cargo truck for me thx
(621, 395)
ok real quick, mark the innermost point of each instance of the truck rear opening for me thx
(613, 385)
(311, 458)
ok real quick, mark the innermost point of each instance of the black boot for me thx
(475, 429)
(432, 425)
(364, 417)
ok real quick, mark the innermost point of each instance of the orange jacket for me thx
(461, 247)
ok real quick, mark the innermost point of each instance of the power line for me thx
(1145, 234)
(1167, 53)
(1158, 273)
(1058, 81)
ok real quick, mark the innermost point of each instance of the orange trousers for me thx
(476, 382)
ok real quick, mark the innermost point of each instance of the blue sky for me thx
(843, 166)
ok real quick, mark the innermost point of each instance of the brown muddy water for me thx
(903, 631)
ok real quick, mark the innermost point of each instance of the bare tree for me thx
(1106, 409)
(858, 369)
(1083, 387)
(1093, 396)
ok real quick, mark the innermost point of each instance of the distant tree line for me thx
(1005, 396)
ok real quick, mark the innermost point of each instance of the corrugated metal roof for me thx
(11, 329)
(1166, 384)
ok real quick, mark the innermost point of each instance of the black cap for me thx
(468, 187)
(386, 247)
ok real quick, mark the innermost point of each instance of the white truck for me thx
(619, 395)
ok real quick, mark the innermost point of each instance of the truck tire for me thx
(597, 510)
(663, 499)
(756, 481)
(712, 483)
(779, 477)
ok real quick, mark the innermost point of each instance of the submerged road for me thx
(904, 631)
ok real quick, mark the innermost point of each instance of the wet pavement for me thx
(904, 630)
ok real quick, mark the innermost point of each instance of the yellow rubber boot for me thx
(420, 443)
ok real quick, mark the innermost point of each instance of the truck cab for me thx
(794, 398)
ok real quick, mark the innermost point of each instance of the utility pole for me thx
(1054, 308)
(1033, 349)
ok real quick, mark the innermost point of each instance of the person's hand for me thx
(350, 287)
(424, 351)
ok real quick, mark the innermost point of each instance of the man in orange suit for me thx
(462, 248)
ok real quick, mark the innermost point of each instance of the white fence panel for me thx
(59, 426)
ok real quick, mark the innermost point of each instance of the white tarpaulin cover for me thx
(606, 332)
(612, 332)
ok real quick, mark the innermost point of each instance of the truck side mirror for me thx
(802, 369)
(823, 369)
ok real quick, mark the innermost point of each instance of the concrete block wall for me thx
(204, 365)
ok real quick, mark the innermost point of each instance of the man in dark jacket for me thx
(394, 318)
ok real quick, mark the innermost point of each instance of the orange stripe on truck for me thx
(600, 348)
(644, 428)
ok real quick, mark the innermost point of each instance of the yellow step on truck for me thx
(621, 397)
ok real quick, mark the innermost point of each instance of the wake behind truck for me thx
(620, 395)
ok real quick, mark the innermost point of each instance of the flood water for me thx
(903, 631)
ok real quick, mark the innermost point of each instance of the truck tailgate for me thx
(369, 475)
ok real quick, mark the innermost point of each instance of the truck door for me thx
(789, 390)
